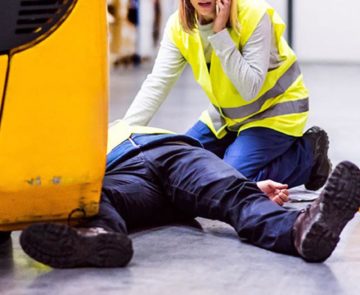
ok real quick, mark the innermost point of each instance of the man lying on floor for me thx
(154, 178)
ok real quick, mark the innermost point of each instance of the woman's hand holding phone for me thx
(222, 15)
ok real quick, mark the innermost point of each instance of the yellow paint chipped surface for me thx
(54, 126)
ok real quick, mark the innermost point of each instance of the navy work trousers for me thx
(261, 153)
(158, 184)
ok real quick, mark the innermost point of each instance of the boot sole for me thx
(60, 246)
(5, 236)
(341, 200)
(321, 180)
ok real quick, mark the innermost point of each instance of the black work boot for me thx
(62, 246)
(322, 165)
(4, 236)
(317, 229)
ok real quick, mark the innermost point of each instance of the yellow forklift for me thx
(53, 109)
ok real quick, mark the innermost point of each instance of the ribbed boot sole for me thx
(341, 200)
(321, 180)
(60, 246)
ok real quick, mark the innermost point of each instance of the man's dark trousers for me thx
(157, 183)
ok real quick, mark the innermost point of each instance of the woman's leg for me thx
(204, 135)
(263, 153)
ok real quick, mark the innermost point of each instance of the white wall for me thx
(281, 7)
(325, 30)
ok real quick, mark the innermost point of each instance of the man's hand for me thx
(222, 15)
(276, 191)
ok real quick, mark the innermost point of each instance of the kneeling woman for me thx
(258, 100)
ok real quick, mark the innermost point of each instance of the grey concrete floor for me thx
(207, 257)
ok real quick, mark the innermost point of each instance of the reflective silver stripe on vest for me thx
(216, 118)
(284, 108)
(288, 78)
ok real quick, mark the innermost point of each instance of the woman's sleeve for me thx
(247, 69)
(168, 66)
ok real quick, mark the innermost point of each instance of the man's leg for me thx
(200, 184)
(130, 198)
(318, 228)
(4, 236)
(101, 241)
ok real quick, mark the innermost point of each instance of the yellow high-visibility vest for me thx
(119, 131)
(282, 102)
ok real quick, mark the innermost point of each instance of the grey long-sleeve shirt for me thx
(247, 69)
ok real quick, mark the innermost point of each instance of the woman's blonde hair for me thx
(188, 18)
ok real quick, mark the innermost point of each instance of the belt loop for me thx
(133, 143)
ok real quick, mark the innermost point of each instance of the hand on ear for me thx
(222, 15)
